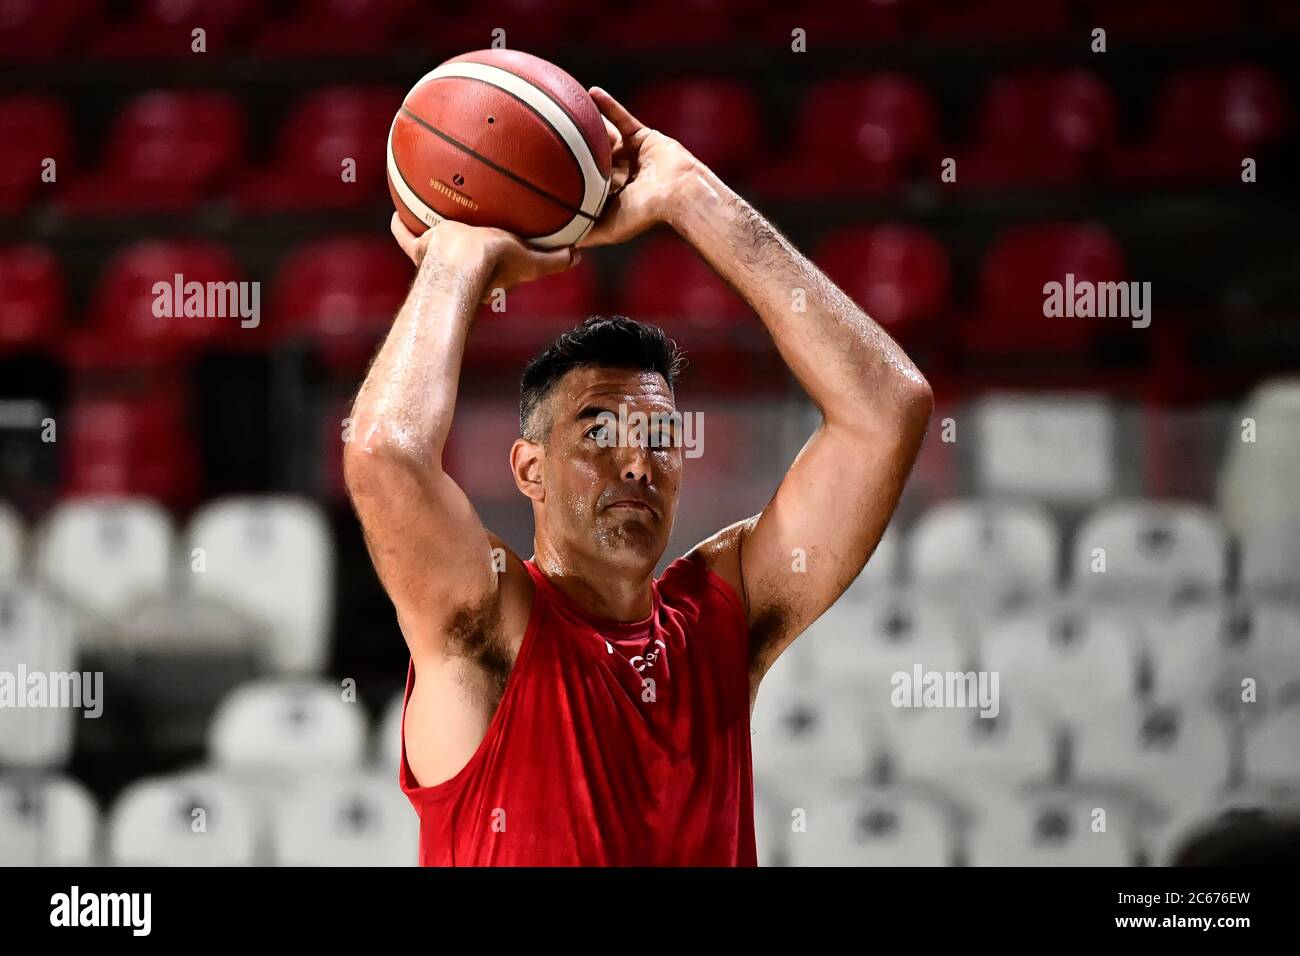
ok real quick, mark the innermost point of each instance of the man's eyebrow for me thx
(592, 411)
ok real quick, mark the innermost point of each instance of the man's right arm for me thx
(429, 547)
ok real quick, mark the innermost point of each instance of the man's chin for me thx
(630, 542)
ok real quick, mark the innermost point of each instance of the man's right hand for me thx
(506, 258)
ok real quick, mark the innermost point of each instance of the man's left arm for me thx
(837, 497)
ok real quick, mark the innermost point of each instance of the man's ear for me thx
(526, 460)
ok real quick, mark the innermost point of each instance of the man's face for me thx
(610, 494)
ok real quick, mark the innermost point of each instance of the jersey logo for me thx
(641, 663)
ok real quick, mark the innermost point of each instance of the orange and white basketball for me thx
(500, 138)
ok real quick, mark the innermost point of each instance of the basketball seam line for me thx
(536, 112)
(572, 117)
(500, 169)
(402, 175)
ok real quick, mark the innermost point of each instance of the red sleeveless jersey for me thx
(614, 744)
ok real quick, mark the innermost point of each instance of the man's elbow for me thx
(361, 462)
(894, 418)
(372, 459)
(916, 402)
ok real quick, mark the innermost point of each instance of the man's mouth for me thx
(633, 504)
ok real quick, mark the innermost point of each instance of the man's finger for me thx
(612, 130)
(552, 261)
(599, 234)
(408, 242)
(624, 122)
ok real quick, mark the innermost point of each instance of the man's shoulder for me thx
(719, 555)
(709, 572)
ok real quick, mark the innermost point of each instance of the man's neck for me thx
(600, 590)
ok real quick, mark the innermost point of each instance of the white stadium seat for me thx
(1052, 828)
(804, 735)
(47, 821)
(770, 830)
(328, 820)
(1071, 664)
(984, 550)
(388, 740)
(1200, 653)
(1270, 560)
(1177, 754)
(273, 559)
(1259, 488)
(183, 820)
(1058, 448)
(863, 826)
(1184, 648)
(865, 645)
(38, 657)
(1152, 551)
(286, 728)
(977, 756)
(11, 543)
(1273, 748)
(103, 555)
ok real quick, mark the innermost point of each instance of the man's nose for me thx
(635, 464)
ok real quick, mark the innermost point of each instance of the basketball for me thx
(500, 138)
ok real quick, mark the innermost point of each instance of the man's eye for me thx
(598, 432)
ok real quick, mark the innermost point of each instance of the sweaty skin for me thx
(603, 515)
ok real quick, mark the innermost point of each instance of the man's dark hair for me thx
(607, 341)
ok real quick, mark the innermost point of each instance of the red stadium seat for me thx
(341, 293)
(138, 445)
(31, 288)
(1040, 128)
(1166, 18)
(327, 128)
(42, 30)
(125, 325)
(1006, 20)
(1206, 121)
(717, 120)
(532, 25)
(669, 282)
(1022, 261)
(32, 129)
(535, 312)
(856, 135)
(166, 152)
(825, 25)
(162, 29)
(1282, 15)
(331, 27)
(898, 274)
(697, 23)
(568, 297)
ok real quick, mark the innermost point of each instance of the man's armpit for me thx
(476, 633)
(768, 630)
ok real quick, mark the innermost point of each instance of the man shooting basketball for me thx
(571, 708)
